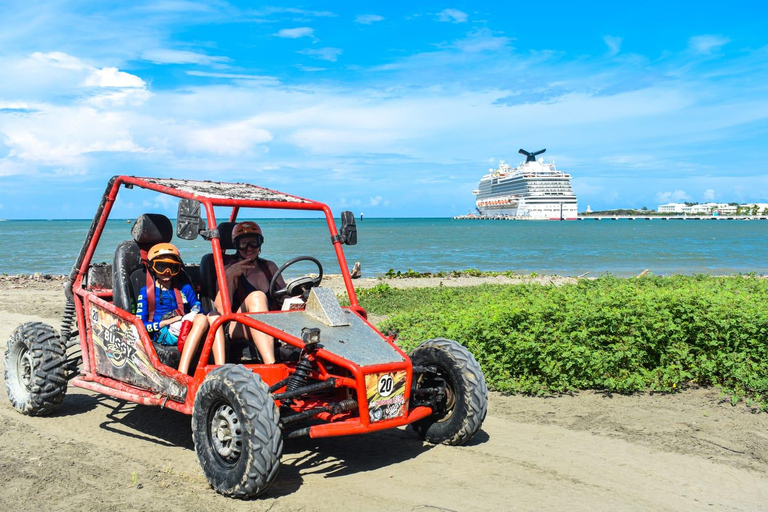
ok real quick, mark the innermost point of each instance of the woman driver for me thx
(248, 281)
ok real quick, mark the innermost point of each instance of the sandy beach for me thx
(691, 450)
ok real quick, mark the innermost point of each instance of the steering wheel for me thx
(297, 286)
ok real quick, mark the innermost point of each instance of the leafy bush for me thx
(612, 334)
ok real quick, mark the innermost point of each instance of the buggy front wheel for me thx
(461, 408)
(35, 377)
(236, 430)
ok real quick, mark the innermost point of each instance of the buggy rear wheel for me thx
(35, 376)
(459, 414)
(235, 427)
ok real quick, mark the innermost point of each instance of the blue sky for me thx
(391, 110)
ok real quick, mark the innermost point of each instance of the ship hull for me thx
(522, 210)
(533, 191)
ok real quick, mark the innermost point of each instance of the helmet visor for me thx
(252, 241)
(166, 267)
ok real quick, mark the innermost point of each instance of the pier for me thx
(621, 217)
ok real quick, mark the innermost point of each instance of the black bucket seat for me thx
(129, 270)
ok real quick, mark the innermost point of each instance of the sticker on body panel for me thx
(386, 395)
(120, 355)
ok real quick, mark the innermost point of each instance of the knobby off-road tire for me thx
(35, 374)
(466, 393)
(235, 426)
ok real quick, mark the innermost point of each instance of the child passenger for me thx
(171, 305)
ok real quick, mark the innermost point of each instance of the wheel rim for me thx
(450, 397)
(441, 379)
(226, 434)
(24, 367)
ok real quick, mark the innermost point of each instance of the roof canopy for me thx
(219, 190)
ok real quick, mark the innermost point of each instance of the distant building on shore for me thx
(714, 208)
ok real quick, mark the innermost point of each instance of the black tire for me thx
(466, 404)
(35, 373)
(236, 429)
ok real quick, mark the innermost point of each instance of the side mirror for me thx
(188, 220)
(348, 228)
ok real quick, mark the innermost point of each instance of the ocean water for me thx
(622, 248)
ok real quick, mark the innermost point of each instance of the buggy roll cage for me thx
(209, 194)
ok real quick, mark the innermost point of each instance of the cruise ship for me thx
(535, 190)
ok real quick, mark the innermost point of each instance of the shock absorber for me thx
(66, 322)
(311, 338)
(300, 376)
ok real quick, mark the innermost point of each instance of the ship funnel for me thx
(531, 157)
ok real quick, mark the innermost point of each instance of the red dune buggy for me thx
(338, 375)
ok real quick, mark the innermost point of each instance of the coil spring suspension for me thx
(67, 321)
(300, 376)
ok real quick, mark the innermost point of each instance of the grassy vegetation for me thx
(610, 334)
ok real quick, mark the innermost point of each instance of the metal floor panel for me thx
(355, 342)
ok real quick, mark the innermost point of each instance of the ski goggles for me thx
(162, 267)
(252, 241)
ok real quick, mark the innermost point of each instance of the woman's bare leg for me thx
(265, 344)
(219, 343)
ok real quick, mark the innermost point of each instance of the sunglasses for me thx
(163, 267)
(252, 242)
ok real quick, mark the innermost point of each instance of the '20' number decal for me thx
(386, 384)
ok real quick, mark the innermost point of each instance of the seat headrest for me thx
(152, 228)
(225, 235)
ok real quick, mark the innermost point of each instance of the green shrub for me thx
(611, 334)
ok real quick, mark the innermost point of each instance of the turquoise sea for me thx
(622, 248)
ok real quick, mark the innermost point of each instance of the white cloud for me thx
(452, 16)
(614, 44)
(112, 77)
(105, 100)
(64, 136)
(59, 75)
(269, 11)
(677, 196)
(96, 77)
(238, 138)
(295, 33)
(10, 167)
(706, 44)
(236, 76)
(58, 59)
(709, 195)
(378, 201)
(161, 202)
(482, 41)
(329, 54)
(367, 19)
(31, 147)
(166, 56)
(310, 69)
(349, 203)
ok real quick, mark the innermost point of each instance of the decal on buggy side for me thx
(386, 395)
(120, 354)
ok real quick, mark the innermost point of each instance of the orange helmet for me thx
(165, 259)
(167, 252)
(247, 227)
